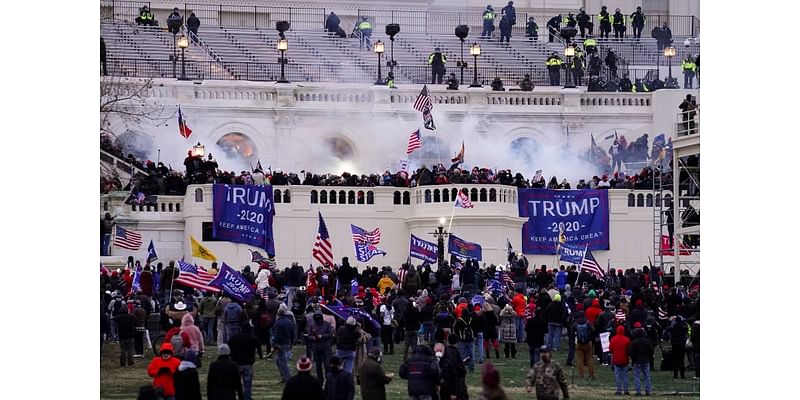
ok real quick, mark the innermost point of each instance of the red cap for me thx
(637, 325)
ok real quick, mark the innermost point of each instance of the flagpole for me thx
(451, 217)
(439, 156)
(580, 266)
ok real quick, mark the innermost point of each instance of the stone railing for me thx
(346, 96)
(303, 197)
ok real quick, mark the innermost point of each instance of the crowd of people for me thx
(446, 323)
(162, 180)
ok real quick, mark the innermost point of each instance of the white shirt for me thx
(387, 313)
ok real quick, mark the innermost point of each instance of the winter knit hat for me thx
(224, 350)
(304, 364)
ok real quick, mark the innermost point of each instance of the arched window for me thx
(177, 207)
(436, 196)
(323, 197)
(198, 195)
(631, 200)
(453, 194)
(332, 196)
(314, 197)
(483, 195)
(406, 198)
(473, 195)
(649, 200)
(445, 195)
(163, 207)
(370, 197)
(360, 197)
(525, 149)
(396, 199)
(351, 197)
(658, 200)
(493, 195)
(170, 207)
(342, 197)
(277, 196)
(287, 197)
(427, 195)
(640, 200)
(238, 146)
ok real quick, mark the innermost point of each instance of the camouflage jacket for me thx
(547, 379)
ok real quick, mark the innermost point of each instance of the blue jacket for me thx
(284, 331)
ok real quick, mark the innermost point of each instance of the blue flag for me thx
(463, 249)
(360, 315)
(137, 277)
(151, 253)
(423, 250)
(243, 214)
(354, 287)
(365, 251)
(233, 283)
(571, 253)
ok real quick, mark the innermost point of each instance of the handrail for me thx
(412, 19)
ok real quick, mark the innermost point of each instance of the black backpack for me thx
(582, 333)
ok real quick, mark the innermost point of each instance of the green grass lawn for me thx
(123, 383)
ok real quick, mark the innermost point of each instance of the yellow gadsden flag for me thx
(199, 251)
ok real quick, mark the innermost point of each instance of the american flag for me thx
(619, 315)
(183, 129)
(127, 239)
(463, 201)
(662, 314)
(424, 100)
(195, 277)
(427, 119)
(507, 279)
(362, 236)
(591, 265)
(413, 142)
(323, 251)
(401, 277)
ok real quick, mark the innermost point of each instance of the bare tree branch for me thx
(127, 100)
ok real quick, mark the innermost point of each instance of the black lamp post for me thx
(379, 49)
(174, 55)
(669, 52)
(462, 31)
(283, 45)
(569, 52)
(391, 30)
(475, 51)
(183, 43)
(440, 234)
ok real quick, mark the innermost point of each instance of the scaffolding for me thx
(676, 211)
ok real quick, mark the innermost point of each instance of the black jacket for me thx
(126, 325)
(187, 383)
(640, 348)
(412, 318)
(303, 386)
(422, 372)
(535, 329)
(339, 385)
(555, 312)
(347, 337)
(243, 348)
(223, 380)
(373, 380)
(193, 23)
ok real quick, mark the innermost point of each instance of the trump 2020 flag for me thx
(571, 253)
(463, 249)
(233, 283)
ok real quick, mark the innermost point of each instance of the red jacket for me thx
(164, 380)
(519, 304)
(619, 347)
(593, 312)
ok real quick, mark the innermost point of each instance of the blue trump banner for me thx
(571, 253)
(581, 214)
(365, 251)
(423, 250)
(462, 248)
(243, 214)
(232, 283)
(360, 315)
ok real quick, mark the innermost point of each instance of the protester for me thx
(422, 372)
(223, 377)
(619, 359)
(284, 338)
(243, 352)
(162, 368)
(303, 386)
(187, 380)
(339, 383)
(490, 378)
(372, 377)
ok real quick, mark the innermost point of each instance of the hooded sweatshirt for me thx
(593, 312)
(619, 347)
(188, 327)
(187, 382)
(262, 280)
